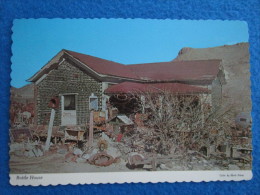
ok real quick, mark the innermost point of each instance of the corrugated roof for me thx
(177, 70)
(161, 71)
(132, 87)
(202, 70)
(102, 66)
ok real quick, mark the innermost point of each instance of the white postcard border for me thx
(128, 177)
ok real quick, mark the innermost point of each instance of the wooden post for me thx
(47, 144)
(154, 163)
(90, 135)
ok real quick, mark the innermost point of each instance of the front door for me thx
(68, 111)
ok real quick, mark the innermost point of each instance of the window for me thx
(93, 102)
(69, 102)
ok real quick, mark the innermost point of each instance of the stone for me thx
(16, 146)
(39, 152)
(113, 152)
(77, 151)
(233, 167)
(62, 151)
(19, 153)
(193, 158)
(117, 160)
(169, 164)
(190, 167)
(105, 137)
(164, 167)
(88, 155)
(205, 161)
(26, 153)
(178, 168)
(29, 146)
(80, 160)
(148, 166)
(31, 153)
(70, 157)
(35, 152)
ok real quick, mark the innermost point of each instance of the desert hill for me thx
(235, 61)
(23, 94)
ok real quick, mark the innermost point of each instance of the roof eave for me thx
(49, 63)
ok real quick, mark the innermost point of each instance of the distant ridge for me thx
(235, 61)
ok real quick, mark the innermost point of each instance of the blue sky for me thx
(128, 41)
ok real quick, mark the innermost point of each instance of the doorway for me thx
(68, 111)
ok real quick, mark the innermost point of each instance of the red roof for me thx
(102, 66)
(199, 70)
(177, 70)
(161, 71)
(131, 87)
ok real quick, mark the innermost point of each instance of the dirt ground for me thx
(56, 163)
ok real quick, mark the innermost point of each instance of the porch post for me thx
(47, 144)
(90, 136)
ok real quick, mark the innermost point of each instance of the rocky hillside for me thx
(23, 94)
(235, 59)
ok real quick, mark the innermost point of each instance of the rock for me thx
(16, 146)
(117, 160)
(113, 152)
(31, 153)
(26, 153)
(105, 137)
(205, 161)
(62, 151)
(19, 153)
(80, 160)
(148, 166)
(40, 152)
(178, 168)
(89, 154)
(233, 167)
(193, 158)
(189, 166)
(29, 146)
(215, 168)
(37, 152)
(94, 151)
(86, 156)
(69, 157)
(77, 151)
(164, 167)
(169, 164)
(240, 164)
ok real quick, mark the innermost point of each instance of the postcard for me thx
(129, 100)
